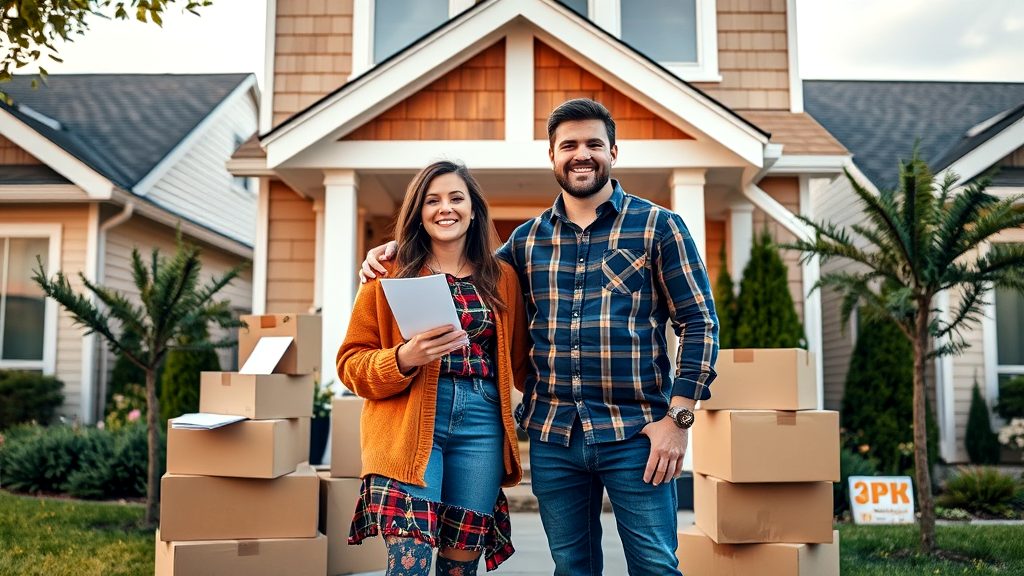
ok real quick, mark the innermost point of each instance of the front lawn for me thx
(888, 550)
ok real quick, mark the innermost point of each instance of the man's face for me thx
(581, 157)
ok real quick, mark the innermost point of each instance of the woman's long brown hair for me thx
(481, 239)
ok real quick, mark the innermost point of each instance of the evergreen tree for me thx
(981, 442)
(179, 383)
(725, 305)
(766, 316)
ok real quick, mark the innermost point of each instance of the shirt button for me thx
(575, 346)
(581, 259)
(575, 314)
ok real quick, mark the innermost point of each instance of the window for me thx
(1009, 316)
(664, 30)
(398, 23)
(25, 318)
(578, 6)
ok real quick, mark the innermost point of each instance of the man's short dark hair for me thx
(580, 109)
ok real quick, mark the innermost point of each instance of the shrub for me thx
(980, 489)
(28, 397)
(981, 442)
(114, 467)
(1011, 399)
(850, 464)
(179, 383)
(725, 304)
(766, 317)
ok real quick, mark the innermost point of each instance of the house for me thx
(967, 128)
(362, 94)
(92, 166)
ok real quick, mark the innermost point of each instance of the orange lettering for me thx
(878, 489)
(899, 493)
(862, 492)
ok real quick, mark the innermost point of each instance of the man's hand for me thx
(668, 446)
(429, 346)
(372, 265)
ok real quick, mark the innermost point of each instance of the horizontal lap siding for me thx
(467, 103)
(291, 251)
(557, 78)
(786, 190)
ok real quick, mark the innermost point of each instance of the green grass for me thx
(888, 550)
(52, 537)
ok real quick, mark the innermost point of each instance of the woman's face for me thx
(447, 208)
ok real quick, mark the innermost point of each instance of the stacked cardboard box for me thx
(764, 460)
(241, 499)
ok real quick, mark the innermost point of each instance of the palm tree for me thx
(917, 241)
(171, 304)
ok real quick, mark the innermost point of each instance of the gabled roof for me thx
(120, 125)
(880, 121)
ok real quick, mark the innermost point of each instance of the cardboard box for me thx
(215, 508)
(764, 379)
(729, 513)
(767, 446)
(346, 454)
(257, 396)
(700, 556)
(262, 557)
(337, 505)
(246, 449)
(302, 356)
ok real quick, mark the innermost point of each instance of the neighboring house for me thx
(962, 127)
(706, 95)
(92, 166)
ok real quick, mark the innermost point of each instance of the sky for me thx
(968, 40)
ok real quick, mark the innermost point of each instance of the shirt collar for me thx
(614, 202)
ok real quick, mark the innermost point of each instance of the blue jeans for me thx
(466, 463)
(569, 482)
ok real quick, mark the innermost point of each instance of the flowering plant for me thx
(1012, 435)
(322, 398)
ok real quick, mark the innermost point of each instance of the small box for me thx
(246, 449)
(338, 498)
(730, 513)
(767, 446)
(215, 508)
(700, 556)
(764, 379)
(346, 453)
(257, 396)
(260, 557)
(301, 357)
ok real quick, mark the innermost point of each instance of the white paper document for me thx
(266, 355)
(421, 304)
(204, 421)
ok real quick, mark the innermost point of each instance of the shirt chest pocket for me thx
(625, 270)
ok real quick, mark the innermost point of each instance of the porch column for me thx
(813, 331)
(944, 394)
(339, 261)
(687, 193)
(741, 238)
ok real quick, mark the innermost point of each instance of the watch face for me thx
(684, 418)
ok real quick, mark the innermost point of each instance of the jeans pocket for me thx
(624, 270)
(489, 392)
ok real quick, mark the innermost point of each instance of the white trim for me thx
(686, 189)
(944, 394)
(41, 193)
(185, 145)
(456, 7)
(796, 85)
(362, 37)
(809, 164)
(388, 83)
(505, 155)
(777, 211)
(54, 234)
(341, 193)
(813, 316)
(988, 153)
(318, 272)
(260, 249)
(89, 387)
(990, 345)
(97, 186)
(248, 167)
(269, 54)
(741, 238)
(519, 73)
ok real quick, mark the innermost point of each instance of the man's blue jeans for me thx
(569, 482)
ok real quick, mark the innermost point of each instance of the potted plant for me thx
(320, 425)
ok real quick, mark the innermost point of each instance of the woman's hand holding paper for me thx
(429, 346)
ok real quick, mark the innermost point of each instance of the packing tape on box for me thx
(249, 548)
(268, 321)
(225, 379)
(744, 356)
(784, 418)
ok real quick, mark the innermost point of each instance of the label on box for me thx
(882, 499)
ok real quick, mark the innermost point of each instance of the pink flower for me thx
(101, 425)
(134, 415)
(2, 439)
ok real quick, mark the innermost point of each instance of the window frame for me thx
(52, 232)
(363, 20)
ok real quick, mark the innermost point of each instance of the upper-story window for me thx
(397, 23)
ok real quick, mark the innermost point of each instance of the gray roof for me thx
(879, 121)
(121, 125)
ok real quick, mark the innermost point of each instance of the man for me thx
(603, 272)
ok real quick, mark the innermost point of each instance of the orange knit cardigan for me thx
(397, 423)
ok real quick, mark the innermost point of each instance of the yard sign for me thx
(882, 499)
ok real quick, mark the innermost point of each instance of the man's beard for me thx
(574, 190)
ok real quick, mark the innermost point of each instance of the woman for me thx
(438, 440)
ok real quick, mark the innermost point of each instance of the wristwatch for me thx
(681, 416)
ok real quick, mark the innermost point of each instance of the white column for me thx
(812, 300)
(519, 85)
(90, 385)
(944, 409)
(741, 238)
(260, 249)
(338, 262)
(687, 188)
(362, 37)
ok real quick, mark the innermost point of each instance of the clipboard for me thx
(420, 304)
